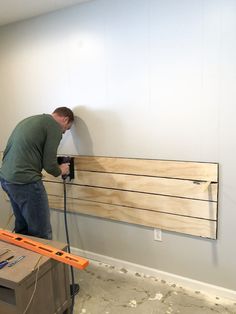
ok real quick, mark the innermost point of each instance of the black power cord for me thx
(73, 292)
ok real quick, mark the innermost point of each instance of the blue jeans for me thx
(30, 206)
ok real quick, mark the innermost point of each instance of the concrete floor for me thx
(105, 289)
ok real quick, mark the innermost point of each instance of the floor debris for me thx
(105, 289)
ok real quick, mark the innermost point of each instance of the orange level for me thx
(46, 250)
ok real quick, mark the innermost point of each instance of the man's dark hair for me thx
(65, 112)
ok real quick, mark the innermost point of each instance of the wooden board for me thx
(164, 186)
(172, 195)
(171, 205)
(188, 225)
(149, 167)
(179, 196)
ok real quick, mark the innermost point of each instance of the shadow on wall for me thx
(97, 132)
(81, 137)
(81, 134)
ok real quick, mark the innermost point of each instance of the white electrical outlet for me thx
(157, 235)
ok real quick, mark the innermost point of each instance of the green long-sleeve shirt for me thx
(32, 147)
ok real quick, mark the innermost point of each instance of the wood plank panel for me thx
(187, 225)
(181, 206)
(138, 183)
(160, 168)
(186, 200)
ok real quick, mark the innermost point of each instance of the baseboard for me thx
(188, 283)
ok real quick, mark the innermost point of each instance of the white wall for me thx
(147, 78)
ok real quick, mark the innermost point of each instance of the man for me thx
(32, 147)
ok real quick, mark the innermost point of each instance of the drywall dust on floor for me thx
(105, 289)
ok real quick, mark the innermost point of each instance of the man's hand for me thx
(65, 168)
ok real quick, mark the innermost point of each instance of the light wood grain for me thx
(138, 183)
(150, 167)
(174, 205)
(187, 225)
(171, 195)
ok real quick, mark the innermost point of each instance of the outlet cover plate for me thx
(157, 235)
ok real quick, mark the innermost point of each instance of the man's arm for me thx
(50, 153)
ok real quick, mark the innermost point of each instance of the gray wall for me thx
(149, 79)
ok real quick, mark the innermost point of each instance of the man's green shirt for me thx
(32, 147)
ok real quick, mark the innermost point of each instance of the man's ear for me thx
(66, 120)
